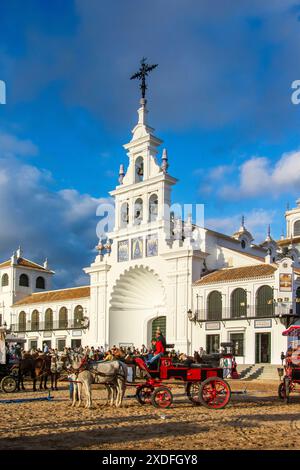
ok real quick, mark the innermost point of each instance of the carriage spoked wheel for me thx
(162, 397)
(192, 391)
(143, 394)
(214, 393)
(8, 384)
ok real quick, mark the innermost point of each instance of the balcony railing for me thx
(245, 312)
(49, 326)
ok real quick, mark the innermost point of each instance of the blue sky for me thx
(220, 99)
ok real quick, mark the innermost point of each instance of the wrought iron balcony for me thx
(245, 312)
(49, 326)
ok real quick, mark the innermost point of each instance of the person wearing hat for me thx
(159, 349)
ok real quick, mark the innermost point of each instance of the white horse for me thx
(112, 374)
(82, 380)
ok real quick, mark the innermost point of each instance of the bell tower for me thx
(143, 197)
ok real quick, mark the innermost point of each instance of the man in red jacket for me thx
(159, 349)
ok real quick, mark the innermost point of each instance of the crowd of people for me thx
(13, 352)
(150, 354)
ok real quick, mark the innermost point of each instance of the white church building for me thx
(155, 269)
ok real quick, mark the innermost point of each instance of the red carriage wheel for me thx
(162, 397)
(143, 394)
(214, 393)
(192, 392)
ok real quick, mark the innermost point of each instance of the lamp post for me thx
(190, 314)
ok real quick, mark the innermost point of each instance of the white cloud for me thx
(11, 145)
(259, 176)
(210, 176)
(220, 171)
(60, 225)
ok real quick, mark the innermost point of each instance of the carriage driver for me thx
(159, 348)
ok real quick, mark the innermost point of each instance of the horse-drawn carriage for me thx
(8, 378)
(8, 371)
(204, 383)
(290, 373)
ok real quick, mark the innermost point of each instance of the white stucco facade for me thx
(152, 266)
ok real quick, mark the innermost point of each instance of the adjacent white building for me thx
(200, 286)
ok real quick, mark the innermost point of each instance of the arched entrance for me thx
(137, 298)
(159, 323)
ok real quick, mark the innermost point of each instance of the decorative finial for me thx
(282, 234)
(14, 258)
(243, 221)
(46, 264)
(19, 252)
(142, 73)
(121, 174)
(268, 237)
(165, 164)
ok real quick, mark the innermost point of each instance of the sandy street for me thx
(256, 420)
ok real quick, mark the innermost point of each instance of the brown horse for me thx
(26, 367)
(42, 367)
(37, 366)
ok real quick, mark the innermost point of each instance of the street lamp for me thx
(190, 315)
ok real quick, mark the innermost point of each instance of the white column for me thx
(99, 316)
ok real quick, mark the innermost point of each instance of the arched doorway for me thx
(159, 323)
(238, 304)
(137, 300)
(264, 302)
(214, 305)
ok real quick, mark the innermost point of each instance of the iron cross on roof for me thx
(142, 74)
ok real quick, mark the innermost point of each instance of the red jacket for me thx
(159, 347)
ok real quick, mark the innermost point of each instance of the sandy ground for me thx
(256, 420)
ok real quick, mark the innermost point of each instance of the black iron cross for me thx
(142, 74)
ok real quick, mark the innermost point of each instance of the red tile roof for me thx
(55, 295)
(234, 274)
